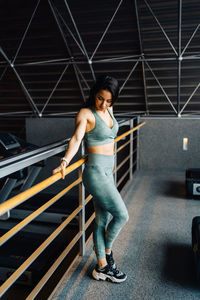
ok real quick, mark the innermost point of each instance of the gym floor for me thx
(154, 248)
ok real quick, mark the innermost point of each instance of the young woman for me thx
(98, 126)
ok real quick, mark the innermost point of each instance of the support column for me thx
(82, 203)
(179, 58)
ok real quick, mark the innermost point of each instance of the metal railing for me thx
(15, 163)
(79, 211)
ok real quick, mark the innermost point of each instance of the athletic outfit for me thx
(98, 180)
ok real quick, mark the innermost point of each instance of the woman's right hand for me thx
(61, 169)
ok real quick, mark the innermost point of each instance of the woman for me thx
(99, 127)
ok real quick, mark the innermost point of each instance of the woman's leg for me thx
(101, 221)
(116, 207)
(107, 269)
(99, 182)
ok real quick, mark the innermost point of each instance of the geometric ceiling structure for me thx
(51, 51)
(170, 38)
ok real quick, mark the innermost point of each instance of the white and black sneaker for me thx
(110, 260)
(109, 274)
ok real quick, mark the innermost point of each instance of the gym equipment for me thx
(10, 145)
(196, 244)
(193, 182)
(13, 148)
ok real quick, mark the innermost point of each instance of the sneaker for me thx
(109, 274)
(110, 260)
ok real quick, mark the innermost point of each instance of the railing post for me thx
(82, 203)
(137, 146)
(115, 164)
(131, 149)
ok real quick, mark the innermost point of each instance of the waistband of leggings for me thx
(100, 159)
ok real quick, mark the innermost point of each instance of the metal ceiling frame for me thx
(179, 58)
(68, 48)
(90, 60)
(142, 55)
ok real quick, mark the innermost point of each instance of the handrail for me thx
(36, 213)
(37, 252)
(123, 146)
(45, 278)
(22, 197)
(122, 178)
(129, 131)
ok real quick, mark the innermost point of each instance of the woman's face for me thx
(103, 100)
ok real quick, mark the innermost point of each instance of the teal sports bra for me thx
(101, 134)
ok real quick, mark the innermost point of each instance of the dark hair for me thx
(107, 83)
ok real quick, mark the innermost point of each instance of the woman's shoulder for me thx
(85, 112)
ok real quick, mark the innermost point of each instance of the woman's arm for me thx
(74, 143)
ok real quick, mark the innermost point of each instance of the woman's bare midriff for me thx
(107, 149)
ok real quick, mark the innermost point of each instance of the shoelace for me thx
(115, 271)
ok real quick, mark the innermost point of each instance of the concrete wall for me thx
(161, 143)
(45, 131)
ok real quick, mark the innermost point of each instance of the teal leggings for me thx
(98, 180)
